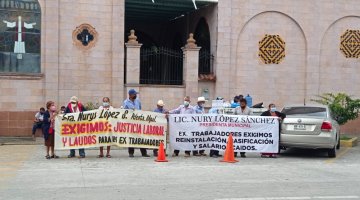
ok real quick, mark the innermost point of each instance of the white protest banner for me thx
(121, 127)
(201, 132)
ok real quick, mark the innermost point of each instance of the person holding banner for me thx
(242, 110)
(74, 106)
(159, 109)
(133, 103)
(185, 108)
(105, 106)
(274, 113)
(216, 110)
(200, 109)
(48, 129)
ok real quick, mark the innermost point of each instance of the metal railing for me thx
(206, 61)
(161, 65)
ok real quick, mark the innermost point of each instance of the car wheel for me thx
(332, 152)
(338, 143)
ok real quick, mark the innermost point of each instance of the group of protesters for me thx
(45, 119)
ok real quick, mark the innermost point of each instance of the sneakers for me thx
(71, 156)
(146, 155)
(174, 155)
(131, 155)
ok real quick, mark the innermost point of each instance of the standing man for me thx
(74, 106)
(38, 122)
(185, 108)
(243, 110)
(200, 109)
(217, 111)
(159, 109)
(133, 103)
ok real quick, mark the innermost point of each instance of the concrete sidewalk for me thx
(299, 174)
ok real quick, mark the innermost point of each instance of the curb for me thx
(349, 143)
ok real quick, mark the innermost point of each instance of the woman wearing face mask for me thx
(105, 106)
(274, 113)
(48, 129)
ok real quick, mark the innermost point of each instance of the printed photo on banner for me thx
(121, 127)
(206, 132)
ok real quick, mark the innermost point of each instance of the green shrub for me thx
(92, 106)
(342, 106)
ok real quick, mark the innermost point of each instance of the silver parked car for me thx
(310, 126)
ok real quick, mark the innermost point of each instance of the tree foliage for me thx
(342, 106)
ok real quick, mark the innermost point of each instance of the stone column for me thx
(50, 50)
(132, 62)
(191, 67)
(118, 52)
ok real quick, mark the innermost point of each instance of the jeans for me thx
(36, 126)
(81, 152)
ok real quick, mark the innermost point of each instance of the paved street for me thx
(296, 174)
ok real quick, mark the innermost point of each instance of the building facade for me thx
(280, 51)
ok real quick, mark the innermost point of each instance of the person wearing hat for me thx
(74, 106)
(200, 109)
(134, 103)
(159, 109)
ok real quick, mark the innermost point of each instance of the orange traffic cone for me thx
(229, 151)
(161, 154)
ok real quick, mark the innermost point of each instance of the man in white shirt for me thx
(243, 109)
(39, 118)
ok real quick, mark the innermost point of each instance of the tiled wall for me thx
(17, 124)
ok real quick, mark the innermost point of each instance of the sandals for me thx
(108, 156)
(100, 156)
(55, 156)
(48, 157)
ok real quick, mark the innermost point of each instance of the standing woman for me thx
(105, 106)
(49, 129)
(274, 113)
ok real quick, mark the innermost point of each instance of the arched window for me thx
(202, 37)
(20, 27)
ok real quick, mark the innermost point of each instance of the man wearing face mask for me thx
(74, 106)
(200, 109)
(274, 113)
(185, 108)
(243, 109)
(134, 103)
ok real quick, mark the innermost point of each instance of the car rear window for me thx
(307, 111)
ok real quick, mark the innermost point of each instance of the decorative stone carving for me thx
(271, 49)
(350, 43)
(85, 36)
(132, 38)
(190, 43)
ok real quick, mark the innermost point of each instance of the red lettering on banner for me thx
(82, 140)
(64, 140)
(153, 130)
(84, 128)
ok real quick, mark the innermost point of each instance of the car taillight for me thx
(326, 126)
